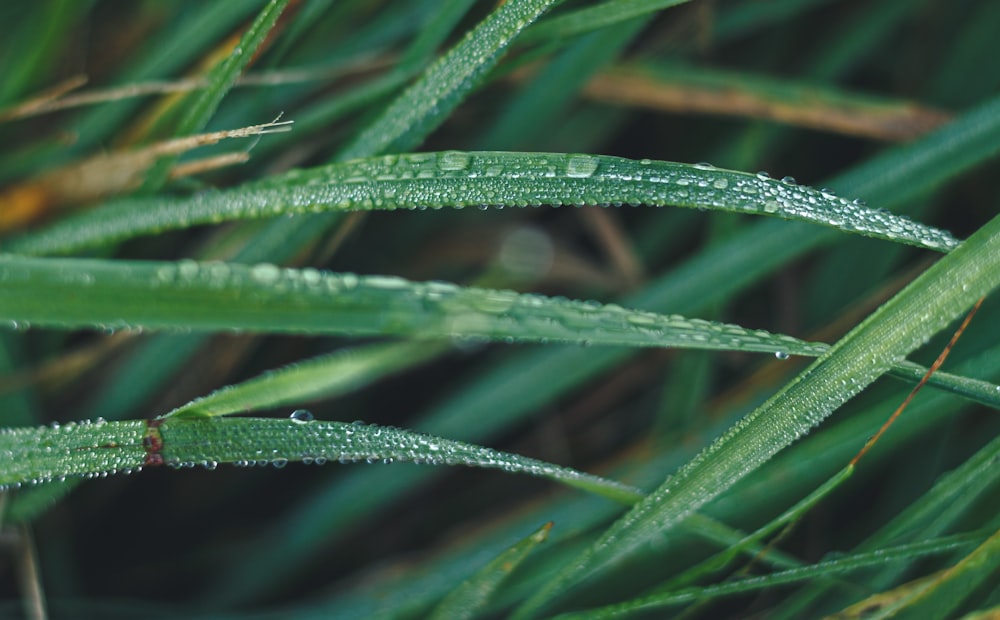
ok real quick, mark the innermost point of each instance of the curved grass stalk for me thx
(461, 179)
(100, 448)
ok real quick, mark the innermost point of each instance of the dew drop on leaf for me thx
(581, 166)
(301, 416)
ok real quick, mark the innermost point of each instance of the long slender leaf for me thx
(795, 575)
(266, 298)
(460, 179)
(315, 378)
(45, 454)
(423, 106)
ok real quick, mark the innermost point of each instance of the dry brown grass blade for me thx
(108, 174)
(61, 97)
(889, 122)
(43, 101)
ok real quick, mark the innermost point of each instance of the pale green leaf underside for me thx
(98, 449)
(461, 179)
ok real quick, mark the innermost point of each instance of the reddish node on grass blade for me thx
(923, 381)
(152, 442)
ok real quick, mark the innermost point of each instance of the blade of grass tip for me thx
(220, 80)
(923, 308)
(472, 596)
(319, 377)
(461, 179)
(46, 454)
(425, 105)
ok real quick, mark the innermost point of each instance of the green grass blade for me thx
(461, 179)
(101, 448)
(320, 377)
(220, 80)
(266, 298)
(47, 454)
(828, 568)
(470, 598)
(423, 106)
(922, 309)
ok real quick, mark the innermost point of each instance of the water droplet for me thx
(581, 166)
(454, 160)
(781, 355)
(704, 165)
(279, 463)
(763, 175)
(789, 180)
(265, 273)
(301, 416)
